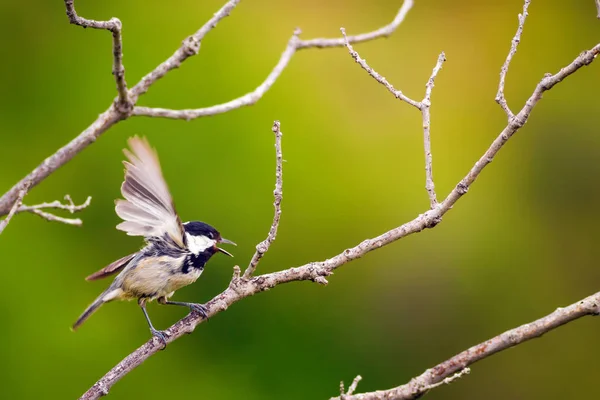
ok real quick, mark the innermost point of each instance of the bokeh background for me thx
(521, 243)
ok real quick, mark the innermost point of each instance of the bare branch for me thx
(38, 209)
(397, 93)
(15, 207)
(513, 49)
(124, 103)
(70, 206)
(425, 106)
(598, 8)
(263, 246)
(422, 383)
(384, 31)
(245, 100)
(293, 45)
(189, 47)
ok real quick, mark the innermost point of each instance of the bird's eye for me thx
(210, 235)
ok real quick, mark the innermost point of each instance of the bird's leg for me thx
(197, 308)
(155, 332)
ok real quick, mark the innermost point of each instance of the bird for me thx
(174, 254)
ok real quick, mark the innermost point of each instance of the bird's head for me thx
(203, 238)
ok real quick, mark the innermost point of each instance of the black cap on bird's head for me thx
(203, 237)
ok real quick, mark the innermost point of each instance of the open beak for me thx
(226, 241)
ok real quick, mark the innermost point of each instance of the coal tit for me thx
(174, 255)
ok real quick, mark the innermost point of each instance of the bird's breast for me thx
(178, 280)
(154, 277)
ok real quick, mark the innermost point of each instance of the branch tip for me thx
(321, 280)
(500, 99)
(354, 384)
(236, 273)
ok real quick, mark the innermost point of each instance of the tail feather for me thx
(105, 297)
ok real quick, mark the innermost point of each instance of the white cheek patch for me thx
(197, 244)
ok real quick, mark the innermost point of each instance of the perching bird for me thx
(175, 253)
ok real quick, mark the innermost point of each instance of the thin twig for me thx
(354, 384)
(189, 47)
(124, 103)
(513, 49)
(425, 106)
(245, 100)
(317, 271)
(55, 218)
(38, 209)
(598, 9)
(397, 93)
(15, 207)
(263, 246)
(70, 206)
(450, 379)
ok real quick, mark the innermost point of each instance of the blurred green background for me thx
(520, 244)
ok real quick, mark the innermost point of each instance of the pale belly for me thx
(159, 278)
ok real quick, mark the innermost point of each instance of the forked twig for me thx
(343, 394)
(423, 106)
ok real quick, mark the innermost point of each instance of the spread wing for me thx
(148, 208)
(111, 269)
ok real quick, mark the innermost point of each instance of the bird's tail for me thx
(105, 297)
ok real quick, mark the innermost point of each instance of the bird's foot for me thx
(161, 335)
(200, 309)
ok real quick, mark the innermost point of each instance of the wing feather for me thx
(148, 208)
(111, 269)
